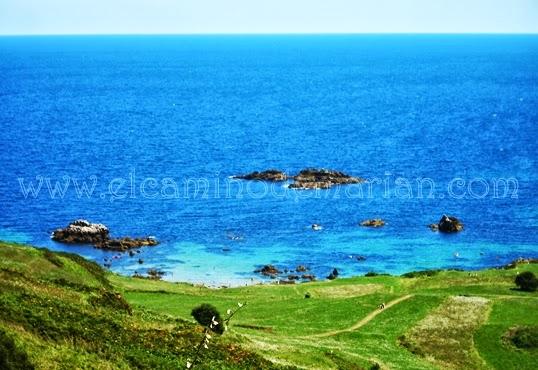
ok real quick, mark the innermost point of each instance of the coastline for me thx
(196, 276)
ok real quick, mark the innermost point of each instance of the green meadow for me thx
(60, 311)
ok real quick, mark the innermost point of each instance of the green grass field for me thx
(57, 311)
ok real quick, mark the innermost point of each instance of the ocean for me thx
(156, 126)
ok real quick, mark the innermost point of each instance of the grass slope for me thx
(61, 311)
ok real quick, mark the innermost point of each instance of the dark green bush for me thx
(415, 274)
(527, 281)
(53, 258)
(12, 357)
(204, 313)
(373, 274)
(525, 337)
(111, 300)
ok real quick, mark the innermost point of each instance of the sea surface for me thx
(156, 126)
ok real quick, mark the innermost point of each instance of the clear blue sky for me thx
(266, 16)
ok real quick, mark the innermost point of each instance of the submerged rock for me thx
(269, 270)
(269, 175)
(376, 222)
(333, 275)
(85, 232)
(301, 268)
(447, 224)
(124, 244)
(313, 178)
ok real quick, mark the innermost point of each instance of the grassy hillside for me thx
(60, 311)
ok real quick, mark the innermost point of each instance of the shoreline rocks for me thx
(333, 275)
(447, 224)
(268, 270)
(85, 232)
(288, 274)
(376, 222)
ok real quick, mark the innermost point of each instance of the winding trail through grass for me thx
(365, 320)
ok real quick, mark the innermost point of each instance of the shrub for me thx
(527, 281)
(12, 357)
(416, 274)
(112, 300)
(53, 258)
(525, 337)
(204, 313)
(373, 274)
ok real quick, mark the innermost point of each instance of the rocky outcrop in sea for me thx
(447, 224)
(269, 175)
(85, 232)
(310, 178)
(376, 222)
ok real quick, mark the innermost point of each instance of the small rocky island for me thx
(376, 222)
(85, 232)
(447, 224)
(310, 178)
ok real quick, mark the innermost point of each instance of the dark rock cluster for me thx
(447, 224)
(322, 179)
(376, 222)
(287, 276)
(310, 178)
(85, 232)
(269, 175)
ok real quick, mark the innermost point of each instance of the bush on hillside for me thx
(12, 357)
(374, 274)
(111, 300)
(416, 274)
(527, 281)
(204, 313)
(525, 337)
(53, 258)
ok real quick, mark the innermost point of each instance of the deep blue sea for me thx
(157, 125)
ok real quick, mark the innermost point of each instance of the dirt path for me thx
(365, 320)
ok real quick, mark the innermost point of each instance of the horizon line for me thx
(265, 34)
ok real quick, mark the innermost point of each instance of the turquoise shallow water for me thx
(128, 114)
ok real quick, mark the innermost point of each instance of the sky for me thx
(21, 17)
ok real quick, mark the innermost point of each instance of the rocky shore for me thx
(286, 276)
(310, 178)
(98, 235)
